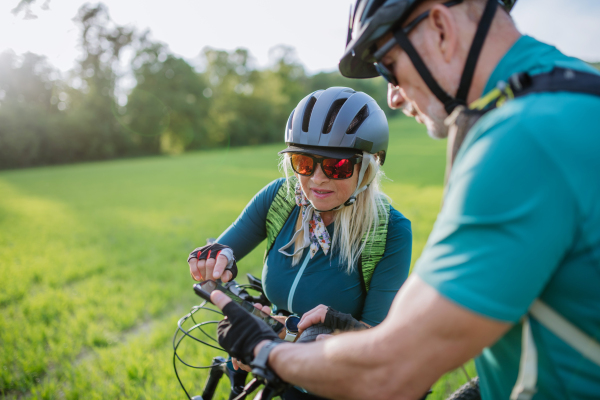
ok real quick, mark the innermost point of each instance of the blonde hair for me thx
(351, 222)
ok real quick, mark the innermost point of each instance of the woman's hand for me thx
(338, 321)
(212, 261)
(210, 269)
(237, 364)
(312, 317)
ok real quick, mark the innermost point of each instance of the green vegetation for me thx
(173, 107)
(92, 261)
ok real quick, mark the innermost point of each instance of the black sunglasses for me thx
(381, 68)
(333, 168)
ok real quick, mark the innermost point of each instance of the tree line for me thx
(51, 118)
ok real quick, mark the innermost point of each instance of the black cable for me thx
(187, 333)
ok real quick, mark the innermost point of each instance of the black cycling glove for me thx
(213, 251)
(342, 322)
(241, 332)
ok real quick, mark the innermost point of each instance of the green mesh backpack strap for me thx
(279, 212)
(374, 249)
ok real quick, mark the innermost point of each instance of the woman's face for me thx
(325, 193)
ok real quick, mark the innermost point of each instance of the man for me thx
(520, 221)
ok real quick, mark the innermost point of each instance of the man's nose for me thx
(394, 98)
(319, 176)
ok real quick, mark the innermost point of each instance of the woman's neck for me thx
(328, 217)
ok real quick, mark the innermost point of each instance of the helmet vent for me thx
(308, 113)
(358, 120)
(332, 114)
(374, 6)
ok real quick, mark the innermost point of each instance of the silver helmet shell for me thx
(338, 121)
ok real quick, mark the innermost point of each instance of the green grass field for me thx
(93, 275)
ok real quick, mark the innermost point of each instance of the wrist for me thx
(260, 346)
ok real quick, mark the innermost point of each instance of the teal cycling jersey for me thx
(520, 221)
(322, 279)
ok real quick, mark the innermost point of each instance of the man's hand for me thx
(240, 332)
(212, 261)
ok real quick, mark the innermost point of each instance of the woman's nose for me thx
(319, 176)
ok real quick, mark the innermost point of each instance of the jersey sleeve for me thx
(249, 229)
(391, 271)
(508, 219)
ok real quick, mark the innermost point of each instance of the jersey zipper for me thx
(296, 280)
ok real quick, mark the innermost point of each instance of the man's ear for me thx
(444, 24)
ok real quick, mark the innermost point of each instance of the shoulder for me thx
(398, 224)
(269, 192)
(541, 114)
(262, 201)
(542, 125)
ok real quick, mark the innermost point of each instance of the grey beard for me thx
(433, 120)
(436, 115)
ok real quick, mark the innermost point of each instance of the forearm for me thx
(326, 367)
(423, 336)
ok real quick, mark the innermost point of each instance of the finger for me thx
(279, 318)
(306, 316)
(323, 336)
(194, 270)
(220, 266)
(235, 364)
(242, 365)
(201, 267)
(308, 322)
(210, 266)
(312, 317)
(227, 276)
(219, 299)
(321, 308)
(265, 309)
(246, 368)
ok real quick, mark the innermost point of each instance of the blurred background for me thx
(166, 118)
(122, 79)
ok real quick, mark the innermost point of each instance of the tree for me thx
(29, 108)
(167, 109)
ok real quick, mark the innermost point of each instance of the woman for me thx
(333, 239)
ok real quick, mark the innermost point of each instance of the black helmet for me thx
(337, 122)
(372, 19)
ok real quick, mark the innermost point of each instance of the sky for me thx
(315, 28)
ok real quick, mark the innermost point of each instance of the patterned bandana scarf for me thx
(316, 235)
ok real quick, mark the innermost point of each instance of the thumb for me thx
(219, 299)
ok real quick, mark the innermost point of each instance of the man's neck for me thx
(501, 37)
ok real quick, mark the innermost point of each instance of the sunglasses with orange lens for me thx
(333, 168)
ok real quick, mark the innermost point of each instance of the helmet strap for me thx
(361, 175)
(449, 102)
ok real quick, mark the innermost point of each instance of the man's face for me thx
(413, 96)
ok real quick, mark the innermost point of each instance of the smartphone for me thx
(204, 289)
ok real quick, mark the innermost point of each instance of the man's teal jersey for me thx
(520, 221)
